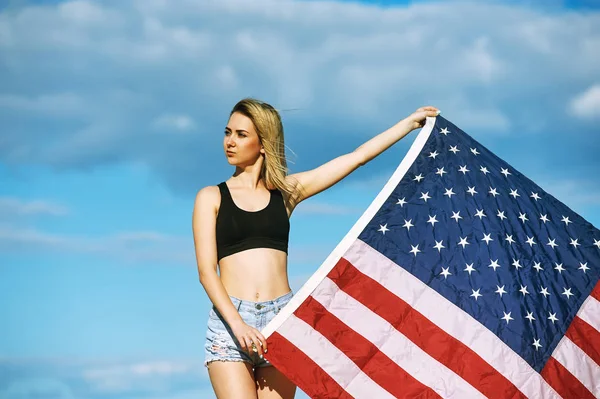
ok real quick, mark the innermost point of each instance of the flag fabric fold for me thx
(462, 279)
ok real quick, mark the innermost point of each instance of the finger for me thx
(263, 340)
(426, 108)
(244, 344)
(258, 344)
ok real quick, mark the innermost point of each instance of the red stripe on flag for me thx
(301, 370)
(436, 342)
(586, 337)
(374, 363)
(563, 382)
(596, 291)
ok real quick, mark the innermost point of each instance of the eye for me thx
(227, 132)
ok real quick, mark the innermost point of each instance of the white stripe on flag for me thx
(579, 364)
(449, 318)
(333, 361)
(589, 312)
(393, 343)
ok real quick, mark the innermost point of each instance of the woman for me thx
(242, 225)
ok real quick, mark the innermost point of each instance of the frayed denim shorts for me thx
(221, 343)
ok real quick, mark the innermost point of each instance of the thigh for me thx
(232, 380)
(272, 384)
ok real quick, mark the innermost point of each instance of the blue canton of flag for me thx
(491, 241)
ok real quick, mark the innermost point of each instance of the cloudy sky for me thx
(111, 119)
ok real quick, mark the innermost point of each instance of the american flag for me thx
(463, 279)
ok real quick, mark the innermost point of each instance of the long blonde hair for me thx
(269, 127)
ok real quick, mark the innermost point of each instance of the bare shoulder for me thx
(208, 197)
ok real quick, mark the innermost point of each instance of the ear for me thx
(262, 150)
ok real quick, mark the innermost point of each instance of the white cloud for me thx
(351, 68)
(174, 122)
(312, 207)
(67, 378)
(573, 192)
(37, 387)
(227, 76)
(82, 12)
(153, 376)
(480, 60)
(16, 206)
(60, 104)
(587, 104)
(129, 247)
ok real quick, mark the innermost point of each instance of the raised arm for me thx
(321, 178)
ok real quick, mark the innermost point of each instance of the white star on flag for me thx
(476, 293)
(487, 238)
(494, 265)
(500, 290)
(507, 317)
(567, 293)
(383, 228)
(446, 272)
(415, 249)
(439, 246)
(469, 268)
(432, 220)
(449, 192)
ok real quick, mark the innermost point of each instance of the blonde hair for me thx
(269, 128)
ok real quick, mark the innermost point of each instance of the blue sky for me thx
(111, 118)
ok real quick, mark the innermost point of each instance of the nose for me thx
(229, 141)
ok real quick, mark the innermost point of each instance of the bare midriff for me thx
(258, 274)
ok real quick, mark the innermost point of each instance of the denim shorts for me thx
(222, 345)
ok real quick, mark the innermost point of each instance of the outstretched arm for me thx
(321, 178)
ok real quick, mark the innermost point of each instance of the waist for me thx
(265, 305)
(255, 274)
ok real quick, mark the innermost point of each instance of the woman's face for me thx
(241, 143)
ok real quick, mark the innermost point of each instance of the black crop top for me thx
(238, 230)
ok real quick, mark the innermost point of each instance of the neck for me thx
(249, 176)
